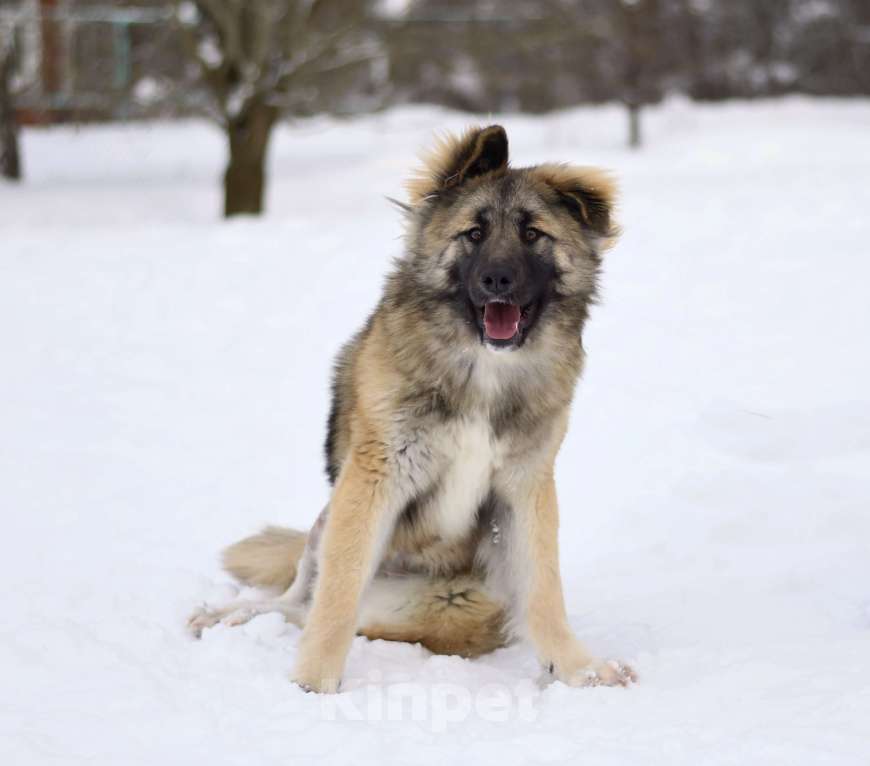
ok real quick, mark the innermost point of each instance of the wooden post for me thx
(52, 49)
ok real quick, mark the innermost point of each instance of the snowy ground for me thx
(163, 393)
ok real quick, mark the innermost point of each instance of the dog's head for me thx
(506, 247)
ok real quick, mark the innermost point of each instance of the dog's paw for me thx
(232, 615)
(240, 616)
(594, 673)
(317, 674)
(602, 673)
(201, 619)
(323, 686)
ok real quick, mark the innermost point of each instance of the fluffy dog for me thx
(448, 410)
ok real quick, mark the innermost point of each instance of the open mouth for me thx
(503, 322)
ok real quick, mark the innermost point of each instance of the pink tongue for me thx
(501, 320)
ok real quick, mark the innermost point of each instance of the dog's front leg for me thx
(541, 601)
(357, 525)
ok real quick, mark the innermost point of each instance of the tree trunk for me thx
(10, 159)
(634, 134)
(245, 176)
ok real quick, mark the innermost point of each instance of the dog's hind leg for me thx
(447, 615)
(276, 559)
(453, 615)
(242, 611)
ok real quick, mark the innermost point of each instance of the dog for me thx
(448, 409)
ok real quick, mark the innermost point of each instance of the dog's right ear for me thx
(588, 193)
(456, 159)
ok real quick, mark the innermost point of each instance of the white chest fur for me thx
(470, 454)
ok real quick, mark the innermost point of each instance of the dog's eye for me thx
(532, 234)
(475, 234)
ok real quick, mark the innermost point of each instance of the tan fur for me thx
(448, 616)
(423, 549)
(445, 164)
(356, 528)
(442, 527)
(547, 620)
(570, 178)
(267, 560)
(349, 550)
(551, 635)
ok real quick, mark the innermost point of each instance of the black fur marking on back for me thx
(341, 393)
(331, 433)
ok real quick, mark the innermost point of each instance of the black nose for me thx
(497, 281)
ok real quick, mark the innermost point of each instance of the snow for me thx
(164, 393)
(188, 13)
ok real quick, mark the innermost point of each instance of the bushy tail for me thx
(447, 615)
(267, 560)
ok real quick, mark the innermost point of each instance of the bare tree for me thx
(259, 59)
(10, 157)
(639, 57)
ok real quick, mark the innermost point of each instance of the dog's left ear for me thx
(588, 193)
(456, 159)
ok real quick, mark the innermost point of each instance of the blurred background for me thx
(249, 65)
(164, 371)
